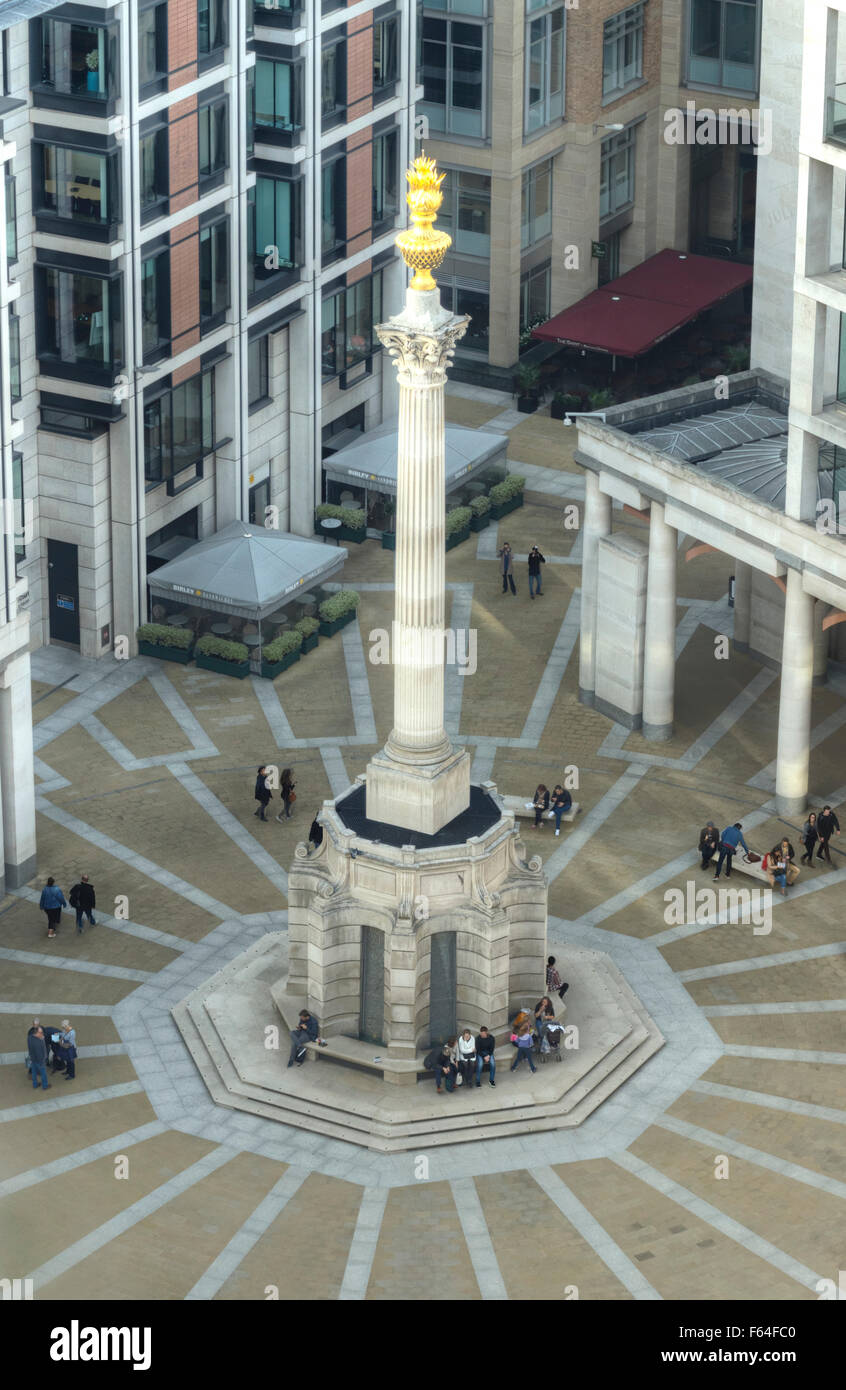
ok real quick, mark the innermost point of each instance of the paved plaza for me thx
(716, 1172)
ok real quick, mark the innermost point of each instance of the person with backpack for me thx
(535, 562)
(83, 901)
(827, 825)
(263, 793)
(553, 979)
(51, 902)
(524, 1042)
(466, 1056)
(485, 1044)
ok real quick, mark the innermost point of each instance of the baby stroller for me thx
(550, 1047)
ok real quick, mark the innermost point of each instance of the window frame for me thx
(286, 132)
(385, 86)
(549, 116)
(160, 205)
(260, 285)
(11, 217)
(343, 360)
(624, 141)
(87, 369)
(211, 55)
(210, 235)
(52, 218)
(161, 348)
(15, 391)
(528, 196)
(380, 218)
(335, 114)
(162, 405)
(44, 90)
(449, 107)
(216, 112)
(157, 82)
(690, 58)
(615, 32)
(258, 375)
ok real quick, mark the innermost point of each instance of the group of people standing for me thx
(551, 804)
(81, 898)
(778, 864)
(817, 832)
(263, 794)
(506, 564)
(42, 1042)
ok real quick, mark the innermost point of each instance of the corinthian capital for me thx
(420, 354)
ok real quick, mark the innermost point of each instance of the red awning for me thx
(631, 314)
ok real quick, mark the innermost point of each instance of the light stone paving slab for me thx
(554, 670)
(112, 683)
(336, 772)
(248, 1235)
(587, 825)
(739, 967)
(786, 1054)
(723, 1143)
(793, 1006)
(115, 1144)
(712, 1215)
(359, 685)
(8, 1059)
(771, 1102)
(81, 967)
(125, 1220)
(595, 1234)
(365, 1239)
(159, 938)
(62, 1010)
(49, 779)
(64, 1102)
(489, 395)
(478, 1238)
(231, 826)
(271, 705)
(127, 760)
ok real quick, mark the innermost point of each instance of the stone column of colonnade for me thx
(17, 777)
(596, 523)
(794, 710)
(659, 662)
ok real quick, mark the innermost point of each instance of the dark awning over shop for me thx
(245, 570)
(631, 314)
(372, 460)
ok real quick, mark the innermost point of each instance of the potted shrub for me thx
(281, 653)
(507, 496)
(527, 379)
(92, 62)
(389, 535)
(353, 525)
(457, 527)
(227, 658)
(737, 358)
(481, 509)
(310, 629)
(600, 400)
(562, 403)
(166, 643)
(337, 611)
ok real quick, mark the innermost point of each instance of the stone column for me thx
(418, 781)
(596, 523)
(17, 778)
(742, 605)
(659, 662)
(794, 708)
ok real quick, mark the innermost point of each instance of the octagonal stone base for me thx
(225, 1025)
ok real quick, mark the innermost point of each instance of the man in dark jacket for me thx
(485, 1044)
(37, 1049)
(709, 843)
(827, 825)
(82, 899)
(535, 562)
(731, 837)
(506, 560)
(306, 1031)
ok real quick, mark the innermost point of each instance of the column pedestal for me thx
(794, 709)
(659, 661)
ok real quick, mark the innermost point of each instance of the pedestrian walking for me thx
(467, 1056)
(810, 835)
(288, 794)
(709, 843)
(827, 825)
(554, 982)
(506, 559)
(523, 1041)
(731, 837)
(51, 902)
(540, 802)
(485, 1045)
(37, 1049)
(263, 793)
(67, 1049)
(560, 804)
(535, 562)
(83, 901)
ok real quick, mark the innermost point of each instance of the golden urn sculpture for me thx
(423, 248)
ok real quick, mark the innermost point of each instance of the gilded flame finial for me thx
(423, 248)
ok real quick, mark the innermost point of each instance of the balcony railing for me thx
(835, 115)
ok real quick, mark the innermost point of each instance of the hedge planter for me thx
(329, 629)
(309, 643)
(346, 533)
(457, 537)
(181, 654)
(238, 669)
(389, 540)
(480, 522)
(498, 512)
(272, 669)
(527, 405)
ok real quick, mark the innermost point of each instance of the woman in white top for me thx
(467, 1056)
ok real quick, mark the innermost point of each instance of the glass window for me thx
(211, 26)
(76, 185)
(334, 207)
(278, 95)
(466, 211)
(15, 356)
(11, 219)
(155, 303)
(333, 82)
(622, 50)
(274, 228)
(75, 59)
(80, 318)
(70, 422)
(536, 204)
(20, 506)
(466, 297)
(544, 70)
(258, 370)
(153, 171)
(348, 317)
(453, 57)
(284, 13)
(152, 45)
(386, 200)
(211, 130)
(534, 296)
(179, 428)
(617, 173)
(259, 500)
(214, 274)
(385, 53)
(723, 44)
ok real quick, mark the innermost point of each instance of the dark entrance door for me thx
(442, 988)
(63, 571)
(372, 1009)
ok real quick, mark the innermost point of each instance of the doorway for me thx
(371, 1022)
(442, 988)
(63, 582)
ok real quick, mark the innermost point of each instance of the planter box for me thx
(238, 669)
(498, 512)
(309, 644)
(346, 533)
(457, 537)
(329, 629)
(527, 405)
(480, 522)
(181, 654)
(271, 669)
(389, 540)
